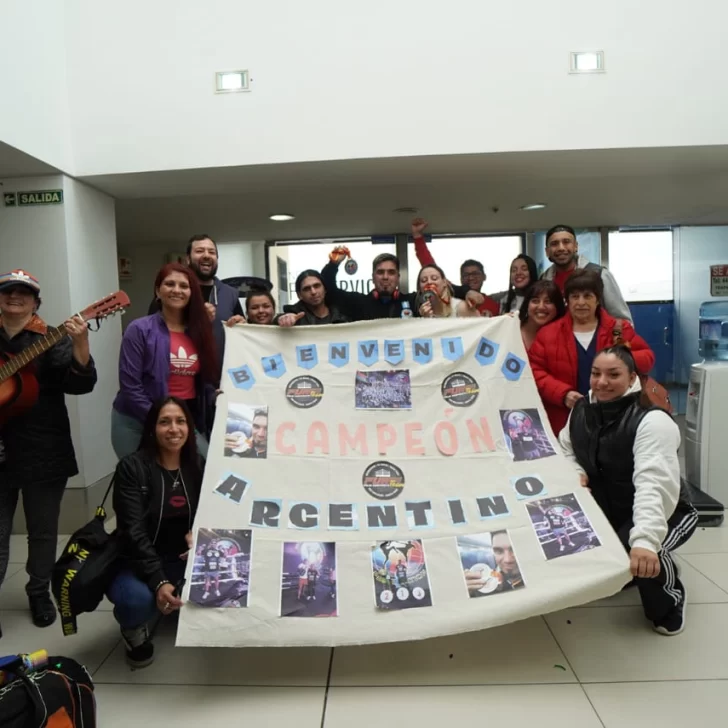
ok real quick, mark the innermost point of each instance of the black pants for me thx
(665, 591)
(42, 506)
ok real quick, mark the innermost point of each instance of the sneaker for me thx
(42, 610)
(217, 592)
(561, 547)
(139, 648)
(205, 595)
(674, 622)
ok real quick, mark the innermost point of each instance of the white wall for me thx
(33, 89)
(71, 249)
(241, 258)
(92, 274)
(696, 249)
(235, 259)
(146, 260)
(335, 80)
(34, 239)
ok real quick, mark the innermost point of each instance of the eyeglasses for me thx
(473, 274)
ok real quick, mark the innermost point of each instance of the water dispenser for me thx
(713, 331)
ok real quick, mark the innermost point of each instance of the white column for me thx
(92, 274)
(71, 249)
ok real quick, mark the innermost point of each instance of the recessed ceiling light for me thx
(227, 82)
(282, 217)
(586, 62)
(534, 206)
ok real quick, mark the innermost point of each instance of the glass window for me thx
(641, 262)
(297, 257)
(495, 253)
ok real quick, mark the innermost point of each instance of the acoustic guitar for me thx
(18, 384)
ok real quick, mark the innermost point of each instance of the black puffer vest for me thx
(602, 437)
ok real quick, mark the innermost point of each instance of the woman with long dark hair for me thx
(523, 275)
(171, 352)
(542, 304)
(625, 451)
(156, 493)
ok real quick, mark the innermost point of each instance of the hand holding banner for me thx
(377, 480)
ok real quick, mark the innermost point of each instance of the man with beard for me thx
(562, 249)
(221, 300)
(236, 445)
(507, 574)
(312, 308)
(505, 561)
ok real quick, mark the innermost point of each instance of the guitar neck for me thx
(16, 363)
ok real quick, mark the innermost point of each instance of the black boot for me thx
(42, 610)
(139, 647)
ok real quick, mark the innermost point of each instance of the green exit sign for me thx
(40, 197)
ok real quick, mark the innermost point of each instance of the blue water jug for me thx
(713, 331)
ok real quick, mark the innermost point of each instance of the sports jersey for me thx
(556, 520)
(213, 559)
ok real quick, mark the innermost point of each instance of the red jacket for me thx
(554, 360)
(489, 307)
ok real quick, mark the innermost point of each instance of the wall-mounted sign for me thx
(124, 269)
(37, 197)
(719, 280)
(10, 199)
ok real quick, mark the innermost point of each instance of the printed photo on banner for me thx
(525, 436)
(489, 563)
(221, 571)
(400, 575)
(562, 526)
(308, 579)
(383, 390)
(246, 431)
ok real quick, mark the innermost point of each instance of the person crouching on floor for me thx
(156, 493)
(625, 450)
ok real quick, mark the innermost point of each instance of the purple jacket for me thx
(144, 372)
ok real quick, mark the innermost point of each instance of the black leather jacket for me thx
(138, 494)
(309, 319)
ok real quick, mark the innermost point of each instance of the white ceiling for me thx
(14, 163)
(458, 194)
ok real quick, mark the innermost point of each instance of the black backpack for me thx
(60, 695)
(85, 569)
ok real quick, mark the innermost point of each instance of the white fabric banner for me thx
(384, 481)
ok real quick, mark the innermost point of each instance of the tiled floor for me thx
(597, 665)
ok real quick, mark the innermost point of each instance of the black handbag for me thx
(85, 569)
(59, 695)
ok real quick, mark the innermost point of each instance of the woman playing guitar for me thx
(38, 451)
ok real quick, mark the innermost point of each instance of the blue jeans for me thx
(134, 602)
(126, 434)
